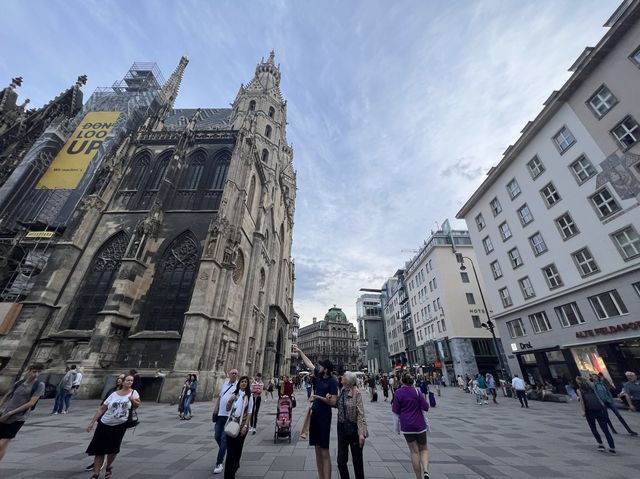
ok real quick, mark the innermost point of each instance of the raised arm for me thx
(304, 357)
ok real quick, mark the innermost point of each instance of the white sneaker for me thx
(64, 412)
(218, 469)
(252, 430)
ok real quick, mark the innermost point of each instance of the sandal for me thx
(107, 473)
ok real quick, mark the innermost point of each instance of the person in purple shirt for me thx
(409, 405)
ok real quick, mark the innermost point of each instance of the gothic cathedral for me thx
(134, 235)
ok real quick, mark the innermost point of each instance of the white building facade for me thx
(555, 224)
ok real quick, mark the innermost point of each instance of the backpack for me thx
(34, 389)
(591, 401)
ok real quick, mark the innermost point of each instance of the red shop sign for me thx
(619, 328)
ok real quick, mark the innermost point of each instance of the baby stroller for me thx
(283, 419)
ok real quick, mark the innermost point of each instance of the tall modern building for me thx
(556, 223)
(333, 338)
(372, 340)
(150, 237)
(447, 310)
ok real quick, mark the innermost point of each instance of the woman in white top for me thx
(111, 417)
(240, 409)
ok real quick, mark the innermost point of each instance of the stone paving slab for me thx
(548, 440)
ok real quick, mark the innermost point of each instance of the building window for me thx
(582, 169)
(265, 156)
(496, 207)
(538, 244)
(607, 305)
(526, 287)
(480, 222)
(552, 276)
(602, 101)
(540, 322)
(564, 139)
(536, 167)
(605, 203)
(505, 297)
(524, 213)
(272, 112)
(252, 105)
(496, 270)
(636, 287)
(464, 277)
(505, 231)
(550, 195)
(628, 242)
(566, 226)
(569, 315)
(470, 298)
(488, 245)
(267, 131)
(513, 188)
(476, 321)
(627, 132)
(515, 258)
(585, 262)
(516, 328)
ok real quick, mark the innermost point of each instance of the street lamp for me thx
(489, 324)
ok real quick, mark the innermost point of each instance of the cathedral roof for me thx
(210, 118)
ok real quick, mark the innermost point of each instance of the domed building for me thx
(333, 338)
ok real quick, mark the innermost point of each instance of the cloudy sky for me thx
(396, 108)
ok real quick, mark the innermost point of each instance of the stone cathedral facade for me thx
(171, 249)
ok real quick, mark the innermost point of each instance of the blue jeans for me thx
(187, 405)
(63, 398)
(221, 438)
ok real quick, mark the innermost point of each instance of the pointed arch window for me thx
(158, 171)
(97, 282)
(138, 172)
(170, 293)
(193, 172)
(220, 170)
(272, 112)
(265, 155)
(252, 105)
(267, 131)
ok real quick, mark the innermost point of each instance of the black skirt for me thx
(106, 439)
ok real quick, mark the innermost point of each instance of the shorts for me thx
(421, 437)
(320, 431)
(9, 431)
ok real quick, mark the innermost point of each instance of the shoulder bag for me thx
(214, 414)
(232, 427)
(132, 419)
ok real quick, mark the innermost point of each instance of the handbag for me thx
(293, 402)
(232, 427)
(132, 418)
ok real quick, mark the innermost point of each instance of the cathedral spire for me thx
(169, 95)
(267, 73)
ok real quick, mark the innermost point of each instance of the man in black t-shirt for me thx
(325, 397)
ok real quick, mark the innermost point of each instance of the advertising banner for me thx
(68, 167)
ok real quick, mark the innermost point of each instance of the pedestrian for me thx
(491, 387)
(461, 382)
(17, 404)
(352, 427)
(409, 406)
(239, 406)
(570, 389)
(76, 386)
(191, 396)
(325, 397)
(384, 382)
(64, 391)
(137, 381)
(270, 387)
(372, 387)
(632, 390)
(308, 386)
(220, 416)
(482, 385)
(520, 388)
(593, 410)
(438, 383)
(256, 392)
(286, 387)
(476, 391)
(111, 417)
(604, 394)
(184, 394)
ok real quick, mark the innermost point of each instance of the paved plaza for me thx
(548, 440)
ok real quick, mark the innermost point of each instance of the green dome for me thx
(335, 314)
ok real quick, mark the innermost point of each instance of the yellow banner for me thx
(68, 167)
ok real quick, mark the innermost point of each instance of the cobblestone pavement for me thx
(548, 440)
